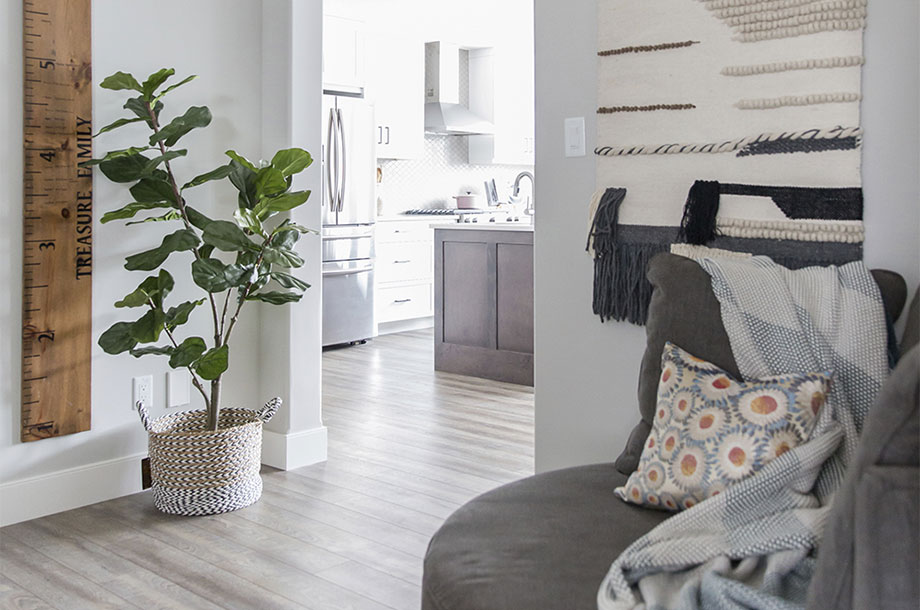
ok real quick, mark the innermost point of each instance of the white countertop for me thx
(416, 217)
(523, 227)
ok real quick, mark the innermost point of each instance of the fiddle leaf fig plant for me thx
(235, 261)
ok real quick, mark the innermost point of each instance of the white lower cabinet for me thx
(405, 302)
(405, 270)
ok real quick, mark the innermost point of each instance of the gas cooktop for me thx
(438, 211)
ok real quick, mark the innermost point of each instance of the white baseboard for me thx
(84, 485)
(401, 326)
(289, 451)
(67, 489)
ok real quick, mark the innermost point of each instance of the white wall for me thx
(221, 41)
(586, 371)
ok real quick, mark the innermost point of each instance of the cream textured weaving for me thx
(758, 96)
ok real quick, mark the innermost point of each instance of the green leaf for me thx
(245, 182)
(205, 251)
(153, 289)
(275, 297)
(187, 352)
(285, 240)
(115, 154)
(149, 327)
(151, 190)
(287, 225)
(177, 85)
(194, 117)
(248, 219)
(117, 338)
(241, 160)
(117, 124)
(281, 203)
(214, 276)
(165, 350)
(127, 168)
(283, 257)
(131, 210)
(170, 215)
(180, 241)
(178, 315)
(155, 80)
(119, 81)
(169, 156)
(213, 363)
(289, 281)
(198, 220)
(138, 105)
(270, 182)
(225, 235)
(291, 161)
(215, 174)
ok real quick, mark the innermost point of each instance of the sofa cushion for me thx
(684, 310)
(545, 542)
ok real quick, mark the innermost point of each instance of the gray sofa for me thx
(546, 542)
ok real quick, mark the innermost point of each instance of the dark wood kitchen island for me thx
(483, 293)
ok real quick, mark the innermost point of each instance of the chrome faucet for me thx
(516, 190)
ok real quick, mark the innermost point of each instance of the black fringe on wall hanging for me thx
(621, 289)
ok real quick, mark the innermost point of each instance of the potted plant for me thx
(205, 461)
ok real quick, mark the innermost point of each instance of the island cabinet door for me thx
(469, 289)
(514, 298)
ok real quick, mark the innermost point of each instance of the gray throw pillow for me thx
(684, 311)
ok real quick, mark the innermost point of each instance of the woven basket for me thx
(203, 472)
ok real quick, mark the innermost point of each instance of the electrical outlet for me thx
(142, 391)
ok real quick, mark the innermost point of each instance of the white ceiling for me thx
(470, 23)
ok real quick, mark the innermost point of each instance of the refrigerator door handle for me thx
(349, 271)
(331, 159)
(344, 158)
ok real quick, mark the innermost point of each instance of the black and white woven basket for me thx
(202, 472)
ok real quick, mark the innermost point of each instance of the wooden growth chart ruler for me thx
(57, 218)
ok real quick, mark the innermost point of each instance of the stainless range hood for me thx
(444, 114)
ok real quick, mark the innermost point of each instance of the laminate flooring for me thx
(407, 446)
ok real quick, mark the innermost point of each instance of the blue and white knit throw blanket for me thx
(753, 545)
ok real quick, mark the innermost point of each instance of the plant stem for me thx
(215, 399)
(211, 406)
(195, 381)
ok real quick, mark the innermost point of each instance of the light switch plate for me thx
(178, 388)
(575, 136)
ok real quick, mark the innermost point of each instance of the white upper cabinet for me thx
(396, 88)
(343, 54)
(501, 86)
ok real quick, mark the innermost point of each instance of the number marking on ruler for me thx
(57, 219)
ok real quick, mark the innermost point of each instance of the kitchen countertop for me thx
(485, 226)
(404, 217)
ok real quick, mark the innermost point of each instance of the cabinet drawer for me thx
(404, 302)
(400, 262)
(400, 231)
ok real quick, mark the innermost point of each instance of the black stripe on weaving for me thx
(803, 145)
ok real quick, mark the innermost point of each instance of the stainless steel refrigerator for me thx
(348, 220)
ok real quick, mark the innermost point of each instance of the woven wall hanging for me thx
(724, 125)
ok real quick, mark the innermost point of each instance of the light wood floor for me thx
(407, 446)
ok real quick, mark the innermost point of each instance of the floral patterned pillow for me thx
(711, 430)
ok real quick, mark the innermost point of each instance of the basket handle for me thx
(142, 411)
(269, 410)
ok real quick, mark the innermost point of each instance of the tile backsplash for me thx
(443, 171)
